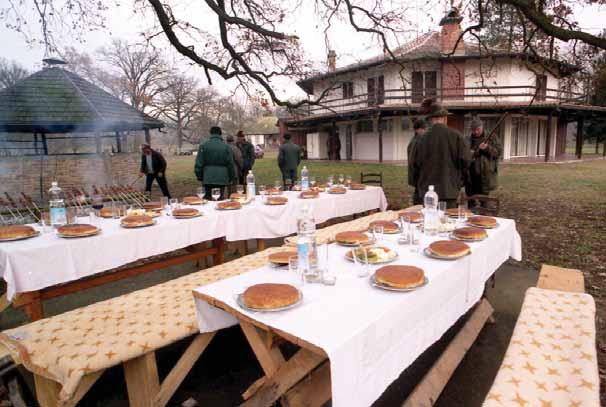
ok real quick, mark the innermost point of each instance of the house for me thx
(369, 106)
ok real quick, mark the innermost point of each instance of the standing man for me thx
(440, 156)
(214, 164)
(153, 166)
(248, 156)
(419, 127)
(237, 156)
(484, 168)
(289, 157)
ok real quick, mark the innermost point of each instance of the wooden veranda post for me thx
(548, 136)
(98, 143)
(44, 144)
(118, 142)
(580, 136)
(380, 127)
(147, 136)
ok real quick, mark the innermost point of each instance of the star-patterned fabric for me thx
(66, 347)
(551, 360)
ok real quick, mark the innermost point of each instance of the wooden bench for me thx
(551, 359)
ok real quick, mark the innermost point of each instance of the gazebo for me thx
(42, 113)
(57, 101)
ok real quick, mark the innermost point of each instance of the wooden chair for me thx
(370, 178)
(484, 204)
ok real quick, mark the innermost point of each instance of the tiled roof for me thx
(55, 100)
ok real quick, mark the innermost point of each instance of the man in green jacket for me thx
(484, 168)
(440, 156)
(248, 156)
(289, 158)
(419, 127)
(214, 164)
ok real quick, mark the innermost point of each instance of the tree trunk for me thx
(597, 146)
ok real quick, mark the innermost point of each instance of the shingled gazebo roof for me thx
(55, 100)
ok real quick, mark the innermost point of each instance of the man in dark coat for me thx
(237, 155)
(214, 164)
(248, 156)
(419, 127)
(440, 156)
(484, 168)
(289, 158)
(153, 166)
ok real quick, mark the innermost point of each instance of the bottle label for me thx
(305, 183)
(303, 255)
(58, 216)
(250, 191)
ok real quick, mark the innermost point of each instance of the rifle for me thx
(490, 134)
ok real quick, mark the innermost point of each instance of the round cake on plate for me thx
(482, 221)
(357, 187)
(411, 217)
(449, 249)
(388, 226)
(308, 194)
(337, 190)
(13, 232)
(276, 200)
(400, 276)
(106, 213)
(229, 205)
(192, 200)
(270, 296)
(136, 221)
(152, 206)
(185, 213)
(351, 237)
(77, 230)
(470, 233)
(281, 257)
(454, 212)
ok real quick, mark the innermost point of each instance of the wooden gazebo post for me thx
(580, 136)
(548, 136)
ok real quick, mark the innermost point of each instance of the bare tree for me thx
(84, 65)
(140, 71)
(10, 73)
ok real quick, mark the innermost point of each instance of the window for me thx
(519, 137)
(375, 88)
(364, 126)
(386, 126)
(541, 136)
(348, 92)
(424, 84)
(541, 87)
(406, 123)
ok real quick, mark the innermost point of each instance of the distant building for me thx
(369, 105)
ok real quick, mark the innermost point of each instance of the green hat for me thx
(432, 108)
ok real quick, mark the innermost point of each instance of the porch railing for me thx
(482, 96)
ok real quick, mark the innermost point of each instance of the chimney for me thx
(451, 31)
(332, 60)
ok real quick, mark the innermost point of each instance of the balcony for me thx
(484, 97)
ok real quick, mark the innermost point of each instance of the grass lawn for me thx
(560, 210)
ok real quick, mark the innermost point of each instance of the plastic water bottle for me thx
(431, 216)
(304, 179)
(250, 185)
(307, 251)
(58, 215)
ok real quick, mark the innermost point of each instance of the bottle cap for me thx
(431, 187)
(54, 183)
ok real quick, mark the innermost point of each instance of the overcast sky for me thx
(123, 23)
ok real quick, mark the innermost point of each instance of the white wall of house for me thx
(313, 146)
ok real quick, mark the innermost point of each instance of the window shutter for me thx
(381, 90)
(370, 90)
(541, 87)
(417, 87)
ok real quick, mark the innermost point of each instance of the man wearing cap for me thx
(214, 164)
(237, 155)
(484, 168)
(153, 166)
(440, 156)
(419, 127)
(248, 156)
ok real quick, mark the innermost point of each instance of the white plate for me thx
(138, 226)
(453, 236)
(374, 283)
(96, 232)
(375, 262)
(241, 304)
(429, 253)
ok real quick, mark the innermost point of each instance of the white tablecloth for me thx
(371, 335)
(49, 260)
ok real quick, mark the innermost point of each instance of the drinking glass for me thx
(312, 181)
(174, 203)
(360, 258)
(216, 193)
(442, 229)
(341, 179)
(414, 236)
(329, 181)
(97, 203)
(240, 189)
(405, 228)
(298, 186)
(348, 180)
(377, 233)
(327, 273)
(45, 225)
(293, 268)
(200, 192)
(262, 192)
(287, 184)
(277, 187)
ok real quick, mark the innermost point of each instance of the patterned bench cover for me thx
(551, 360)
